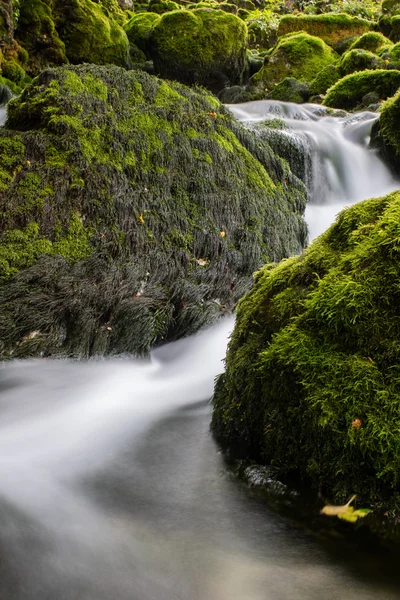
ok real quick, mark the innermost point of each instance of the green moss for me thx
(349, 91)
(16, 89)
(372, 41)
(300, 56)
(89, 34)
(359, 60)
(315, 347)
(200, 46)
(12, 152)
(138, 29)
(331, 27)
(20, 249)
(389, 126)
(130, 181)
(162, 6)
(37, 33)
(290, 90)
(325, 79)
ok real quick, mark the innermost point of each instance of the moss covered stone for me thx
(90, 33)
(359, 60)
(348, 92)
(139, 27)
(299, 55)
(131, 211)
(372, 41)
(312, 372)
(202, 46)
(386, 133)
(290, 90)
(325, 79)
(331, 27)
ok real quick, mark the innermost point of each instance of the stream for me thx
(111, 486)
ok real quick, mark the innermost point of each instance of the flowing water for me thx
(111, 487)
(341, 170)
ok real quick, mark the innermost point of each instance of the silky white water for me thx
(343, 170)
(111, 487)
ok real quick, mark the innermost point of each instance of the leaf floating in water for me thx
(353, 515)
(345, 512)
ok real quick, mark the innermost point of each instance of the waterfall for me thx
(339, 168)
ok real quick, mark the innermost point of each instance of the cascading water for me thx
(111, 486)
(340, 170)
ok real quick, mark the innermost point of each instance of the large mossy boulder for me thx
(132, 211)
(330, 27)
(313, 367)
(90, 33)
(300, 56)
(348, 92)
(203, 46)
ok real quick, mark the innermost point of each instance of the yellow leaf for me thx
(141, 219)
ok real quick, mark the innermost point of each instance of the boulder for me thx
(348, 92)
(203, 46)
(132, 211)
(299, 55)
(312, 372)
(330, 27)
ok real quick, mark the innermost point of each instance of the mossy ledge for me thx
(312, 376)
(132, 211)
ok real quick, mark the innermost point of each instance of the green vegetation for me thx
(325, 79)
(299, 55)
(37, 33)
(372, 41)
(89, 34)
(312, 374)
(349, 91)
(139, 27)
(332, 28)
(201, 46)
(359, 60)
(132, 211)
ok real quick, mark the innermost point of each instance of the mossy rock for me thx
(202, 46)
(262, 32)
(132, 211)
(162, 6)
(360, 60)
(390, 7)
(330, 27)
(299, 55)
(391, 56)
(290, 90)
(385, 134)
(90, 34)
(348, 92)
(372, 41)
(139, 27)
(395, 24)
(312, 371)
(36, 32)
(325, 79)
